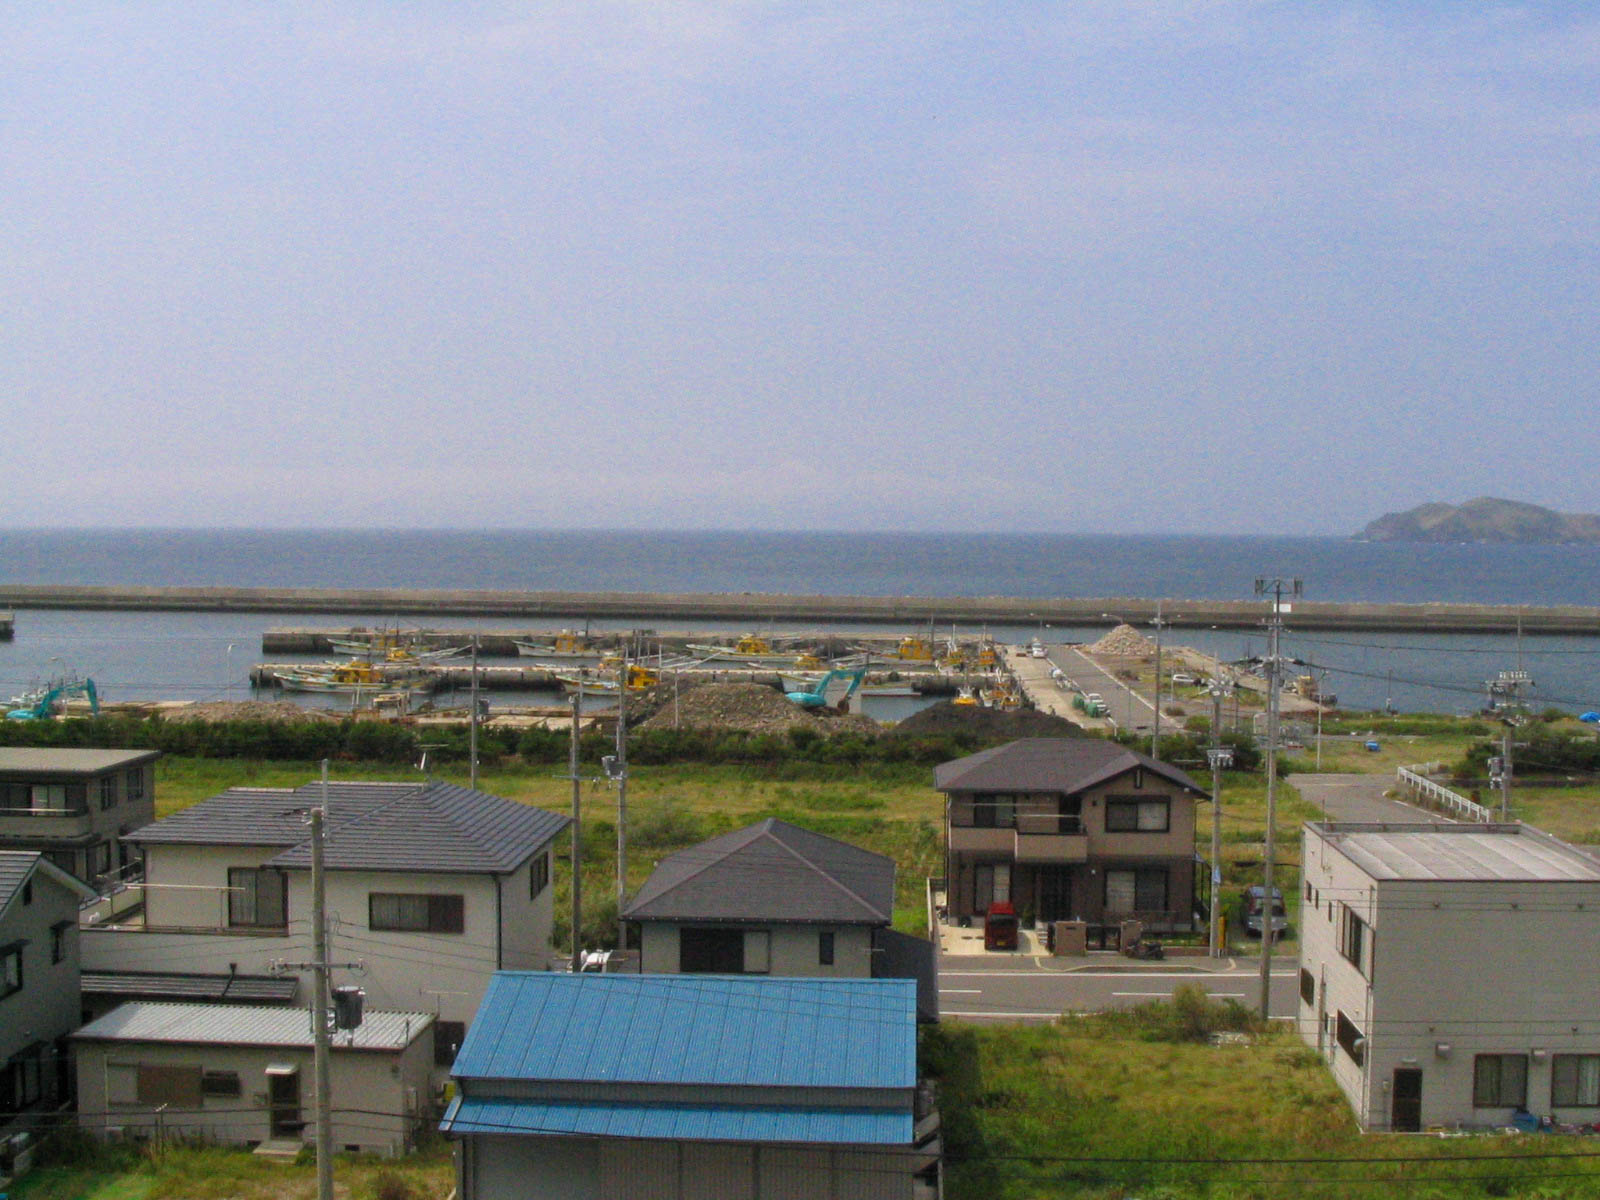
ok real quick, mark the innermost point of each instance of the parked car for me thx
(1252, 911)
(1183, 679)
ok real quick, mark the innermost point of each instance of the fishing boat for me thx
(565, 644)
(965, 698)
(756, 651)
(355, 678)
(609, 683)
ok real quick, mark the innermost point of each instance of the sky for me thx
(1173, 266)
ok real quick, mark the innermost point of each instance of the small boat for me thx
(965, 698)
(351, 678)
(609, 683)
(756, 651)
(565, 644)
(913, 649)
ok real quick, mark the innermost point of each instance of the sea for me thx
(208, 656)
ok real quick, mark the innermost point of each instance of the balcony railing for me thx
(1050, 847)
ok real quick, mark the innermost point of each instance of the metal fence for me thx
(1424, 790)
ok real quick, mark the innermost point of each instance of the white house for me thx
(1447, 972)
(430, 887)
(243, 1075)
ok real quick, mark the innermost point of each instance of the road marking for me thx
(1223, 995)
(1004, 1016)
(961, 991)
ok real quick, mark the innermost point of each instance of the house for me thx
(73, 804)
(681, 1088)
(768, 899)
(38, 982)
(242, 1075)
(1447, 972)
(1070, 829)
(430, 887)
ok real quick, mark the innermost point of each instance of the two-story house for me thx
(38, 982)
(1070, 829)
(1447, 972)
(73, 804)
(431, 887)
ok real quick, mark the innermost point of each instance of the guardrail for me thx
(1415, 779)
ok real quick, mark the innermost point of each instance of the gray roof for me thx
(17, 866)
(1461, 853)
(71, 761)
(175, 985)
(370, 826)
(278, 1027)
(770, 871)
(1050, 765)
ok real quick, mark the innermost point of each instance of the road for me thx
(1358, 798)
(972, 989)
(1126, 707)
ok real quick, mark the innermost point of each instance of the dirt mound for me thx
(248, 710)
(1124, 639)
(950, 717)
(751, 707)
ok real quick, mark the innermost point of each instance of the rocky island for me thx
(1485, 519)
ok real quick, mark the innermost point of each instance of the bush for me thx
(391, 1185)
(1190, 1016)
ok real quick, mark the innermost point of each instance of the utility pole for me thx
(1276, 588)
(319, 998)
(1505, 774)
(1220, 757)
(577, 840)
(619, 773)
(472, 748)
(1505, 693)
(1155, 732)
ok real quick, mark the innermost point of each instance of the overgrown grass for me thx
(1113, 1106)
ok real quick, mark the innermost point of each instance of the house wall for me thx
(391, 1088)
(794, 949)
(72, 838)
(186, 885)
(47, 1006)
(1482, 968)
(500, 1168)
(526, 924)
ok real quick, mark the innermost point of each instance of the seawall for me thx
(750, 609)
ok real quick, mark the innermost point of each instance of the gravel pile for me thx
(1124, 640)
(249, 710)
(950, 717)
(751, 707)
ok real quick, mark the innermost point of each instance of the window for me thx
(1070, 815)
(1500, 1081)
(710, 951)
(27, 892)
(1575, 1081)
(1129, 814)
(100, 858)
(1308, 986)
(1351, 1040)
(135, 788)
(538, 875)
(179, 1087)
(108, 791)
(825, 948)
(415, 912)
(1141, 889)
(257, 898)
(11, 969)
(22, 1078)
(58, 940)
(220, 1083)
(997, 811)
(1355, 941)
(48, 797)
(447, 1039)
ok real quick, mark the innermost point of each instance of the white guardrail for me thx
(1415, 779)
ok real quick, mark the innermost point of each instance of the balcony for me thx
(1050, 847)
(1033, 840)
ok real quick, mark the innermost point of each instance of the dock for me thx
(8, 626)
(757, 610)
(458, 676)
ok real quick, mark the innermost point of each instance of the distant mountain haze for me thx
(1485, 519)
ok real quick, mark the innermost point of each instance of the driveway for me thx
(1358, 798)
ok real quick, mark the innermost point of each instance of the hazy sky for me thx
(1143, 267)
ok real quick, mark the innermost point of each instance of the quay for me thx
(752, 609)
(457, 676)
(8, 625)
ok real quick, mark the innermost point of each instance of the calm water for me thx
(188, 656)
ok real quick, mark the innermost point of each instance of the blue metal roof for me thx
(845, 1127)
(714, 1029)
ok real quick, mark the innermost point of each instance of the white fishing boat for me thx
(565, 644)
(754, 650)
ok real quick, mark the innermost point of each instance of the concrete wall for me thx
(793, 949)
(47, 1006)
(536, 1168)
(392, 1088)
(1480, 968)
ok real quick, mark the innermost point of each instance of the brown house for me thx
(1070, 829)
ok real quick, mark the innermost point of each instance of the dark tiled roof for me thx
(159, 985)
(371, 826)
(1050, 765)
(62, 760)
(770, 871)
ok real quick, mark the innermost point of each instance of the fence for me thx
(1424, 790)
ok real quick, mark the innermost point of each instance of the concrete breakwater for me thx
(752, 610)
(532, 679)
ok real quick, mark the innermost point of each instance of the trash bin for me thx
(1069, 938)
(1129, 934)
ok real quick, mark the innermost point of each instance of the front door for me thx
(710, 951)
(1054, 899)
(283, 1096)
(1406, 1116)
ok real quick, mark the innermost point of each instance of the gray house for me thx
(38, 982)
(73, 805)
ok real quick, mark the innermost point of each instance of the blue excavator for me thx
(831, 691)
(41, 706)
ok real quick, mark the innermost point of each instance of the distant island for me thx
(1485, 519)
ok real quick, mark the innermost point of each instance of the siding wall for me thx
(794, 950)
(47, 1006)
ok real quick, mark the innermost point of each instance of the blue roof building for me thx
(687, 1086)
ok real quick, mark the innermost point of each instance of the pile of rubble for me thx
(1124, 640)
(247, 710)
(950, 717)
(750, 707)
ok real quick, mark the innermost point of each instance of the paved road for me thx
(1128, 708)
(1358, 798)
(972, 988)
